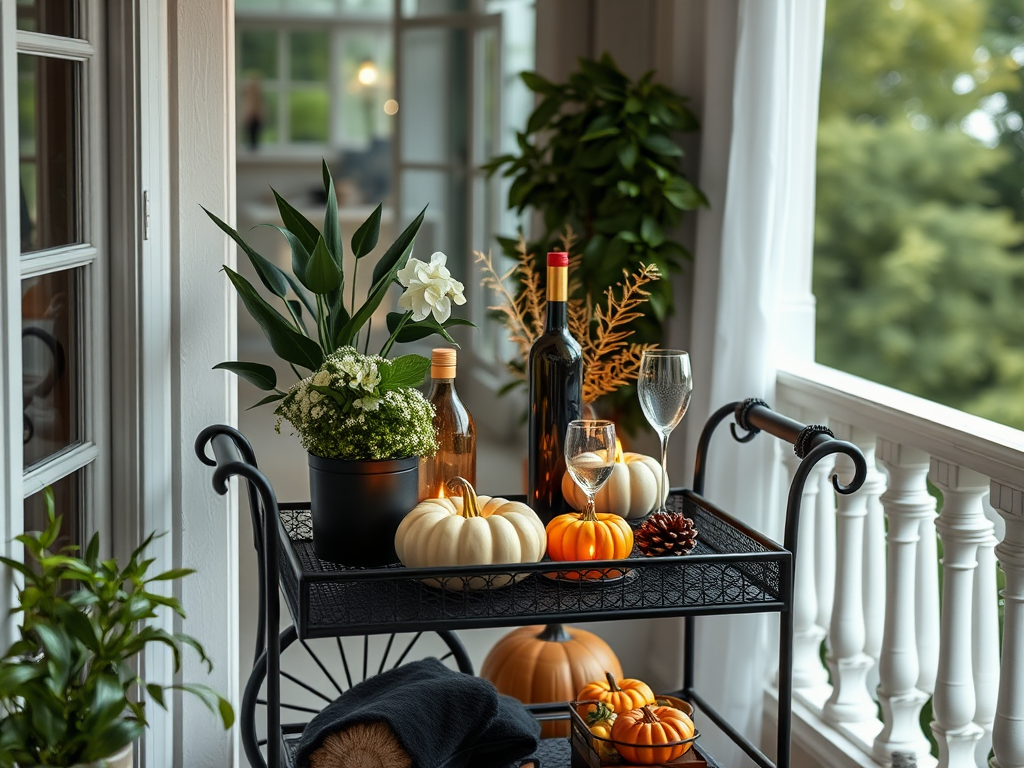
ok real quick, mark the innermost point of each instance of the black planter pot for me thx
(357, 507)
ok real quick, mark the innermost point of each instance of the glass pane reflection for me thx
(435, 7)
(68, 504)
(49, 17)
(50, 358)
(48, 129)
(434, 101)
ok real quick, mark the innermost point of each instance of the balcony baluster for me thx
(1008, 725)
(985, 643)
(874, 563)
(927, 605)
(850, 701)
(962, 527)
(808, 671)
(906, 502)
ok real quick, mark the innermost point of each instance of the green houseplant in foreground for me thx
(318, 317)
(69, 687)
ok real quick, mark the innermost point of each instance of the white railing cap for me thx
(994, 450)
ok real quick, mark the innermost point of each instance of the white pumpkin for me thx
(470, 530)
(631, 491)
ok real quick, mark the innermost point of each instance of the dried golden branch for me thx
(609, 361)
(521, 315)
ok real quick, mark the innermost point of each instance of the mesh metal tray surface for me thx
(733, 569)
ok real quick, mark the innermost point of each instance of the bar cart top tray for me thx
(732, 569)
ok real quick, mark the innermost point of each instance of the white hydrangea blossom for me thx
(430, 288)
(367, 403)
(358, 421)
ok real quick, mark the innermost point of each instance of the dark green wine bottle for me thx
(556, 395)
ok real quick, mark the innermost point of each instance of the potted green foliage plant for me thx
(599, 157)
(358, 416)
(364, 427)
(70, 690)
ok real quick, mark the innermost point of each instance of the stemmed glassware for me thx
(664, 386)
(590, 455)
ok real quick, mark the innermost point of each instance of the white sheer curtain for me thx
(752, 293)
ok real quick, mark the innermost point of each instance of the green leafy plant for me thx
(315, 290)
(598, 157)
(69, 686)
(358, 407)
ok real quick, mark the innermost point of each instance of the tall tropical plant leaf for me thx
(396, 256)
(300, 257)
(383, 275)
(296, 223)
(332, 226)
(416, 330)
(259, 375)
(270, 274)
(322, 272)
(365, 238)
(288, 344)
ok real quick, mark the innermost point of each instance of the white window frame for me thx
(91, 453)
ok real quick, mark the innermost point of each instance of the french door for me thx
(54, 322)
(460, 104)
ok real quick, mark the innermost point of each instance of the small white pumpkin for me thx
(470, 530)
(631, 491)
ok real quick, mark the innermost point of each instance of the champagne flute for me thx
(664, 386)
(590, 456)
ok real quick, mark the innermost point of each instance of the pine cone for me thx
(666, 533)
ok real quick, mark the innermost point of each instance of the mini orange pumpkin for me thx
(652, 726)
(620, 695)
(589, 536)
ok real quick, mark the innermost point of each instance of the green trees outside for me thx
(919, 233)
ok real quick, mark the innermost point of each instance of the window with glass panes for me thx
(54, 252)
(312, 84)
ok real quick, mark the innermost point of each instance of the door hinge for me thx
(145, 214)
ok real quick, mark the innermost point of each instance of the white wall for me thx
(201, 77)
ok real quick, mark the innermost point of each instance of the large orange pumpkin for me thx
(589, 536)
(620, 695)
(541, 664)
(652, 726)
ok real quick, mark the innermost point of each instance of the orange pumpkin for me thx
(652, 726)
(620, 695)
(543, 664)
(588, 535)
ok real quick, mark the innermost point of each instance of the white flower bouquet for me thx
(357, 407)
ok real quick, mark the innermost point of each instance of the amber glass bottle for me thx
(556, 395)
(456, 433)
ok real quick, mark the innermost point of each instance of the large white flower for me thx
(429, 288)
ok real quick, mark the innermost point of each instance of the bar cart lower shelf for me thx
(552, 753)
(733, 569)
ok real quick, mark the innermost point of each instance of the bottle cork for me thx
(442, 363)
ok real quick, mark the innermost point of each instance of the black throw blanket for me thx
(443, 718)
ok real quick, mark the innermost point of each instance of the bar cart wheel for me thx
(323, 669)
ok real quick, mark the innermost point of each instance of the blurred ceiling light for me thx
(390, 107)
(367, 74)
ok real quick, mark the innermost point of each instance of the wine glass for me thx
(664, 386)
(590, 456)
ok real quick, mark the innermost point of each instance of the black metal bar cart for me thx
(733, 569)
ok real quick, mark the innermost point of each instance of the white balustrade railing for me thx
(868, 578)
